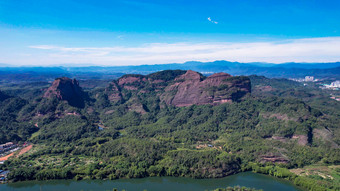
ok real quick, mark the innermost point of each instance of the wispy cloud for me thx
(215, 22)
(295, 50)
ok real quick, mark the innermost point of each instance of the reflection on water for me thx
(247, 179)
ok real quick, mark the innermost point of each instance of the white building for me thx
(335, 84)
(309, 79)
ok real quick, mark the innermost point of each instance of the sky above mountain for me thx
(127, 32)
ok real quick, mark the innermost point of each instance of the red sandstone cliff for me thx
(66, 89)
(183, 89)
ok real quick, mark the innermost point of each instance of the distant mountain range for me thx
(286, 70)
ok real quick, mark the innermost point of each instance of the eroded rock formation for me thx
(66, 89)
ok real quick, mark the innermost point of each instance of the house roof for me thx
(4, 173)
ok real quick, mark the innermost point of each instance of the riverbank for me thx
(316, 183)
(256, 170)
(304, 181)
(247, 179)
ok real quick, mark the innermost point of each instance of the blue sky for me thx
(133, 32)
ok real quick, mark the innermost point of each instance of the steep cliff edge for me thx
(66, 89)
(190, 88)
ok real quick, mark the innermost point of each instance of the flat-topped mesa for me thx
(66, 89)
(216, 89)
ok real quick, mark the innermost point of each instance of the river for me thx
(247, 179)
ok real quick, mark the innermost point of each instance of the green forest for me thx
(139, 135)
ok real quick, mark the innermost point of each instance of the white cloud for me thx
(295, 50)
(215, 22)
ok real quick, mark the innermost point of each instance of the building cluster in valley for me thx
(7, 147)
(306, 79)
(334, 85)
(7, 150)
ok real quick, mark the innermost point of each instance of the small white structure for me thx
(309, 79)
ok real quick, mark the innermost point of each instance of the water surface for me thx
(247, 179)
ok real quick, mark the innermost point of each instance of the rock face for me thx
(66, 89)
(173, 87)
(190, 88)
(180, 88)
(113, 92)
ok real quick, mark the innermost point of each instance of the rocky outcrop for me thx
(179, 88)
(66, 89)
(173, 87)
(136, 106)
(190, 88)
(132, 81)
(113, 92)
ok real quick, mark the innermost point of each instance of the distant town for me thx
(335, 85)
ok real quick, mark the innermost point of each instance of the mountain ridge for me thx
(287, 70)
(184, 89)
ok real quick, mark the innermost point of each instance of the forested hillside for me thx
(171, 123)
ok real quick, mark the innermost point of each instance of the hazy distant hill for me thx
(287, 70)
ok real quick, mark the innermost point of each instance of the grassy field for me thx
(330, 174)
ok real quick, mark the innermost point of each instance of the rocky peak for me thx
(66, 89)
(190, 75)
(216, 89)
